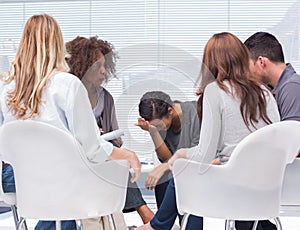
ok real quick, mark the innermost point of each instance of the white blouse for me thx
(66, 105)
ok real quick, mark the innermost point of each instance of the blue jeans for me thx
(8, 184)
(50, 225)
(165, 216)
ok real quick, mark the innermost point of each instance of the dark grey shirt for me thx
(171, 138)
(287, 94)
(189, 134)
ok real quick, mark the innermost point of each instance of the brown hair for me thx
(226, 58)
(84, 52)
(41, 53)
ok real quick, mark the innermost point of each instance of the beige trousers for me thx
(102, 223)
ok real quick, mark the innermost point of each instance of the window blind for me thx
(159, 42)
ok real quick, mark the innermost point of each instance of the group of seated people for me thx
(242, 87)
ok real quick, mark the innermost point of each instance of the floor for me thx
(288, 223)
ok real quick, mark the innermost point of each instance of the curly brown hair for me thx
(84, 52)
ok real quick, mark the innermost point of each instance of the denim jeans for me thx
(8, 181)
(50, 225)
(8, 184)
(166, 214)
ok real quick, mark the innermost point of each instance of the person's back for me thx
(224, 112)
(62, 113)
(54, 109)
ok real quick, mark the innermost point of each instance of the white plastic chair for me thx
(290, 197)
(248, 186)
(54, 180)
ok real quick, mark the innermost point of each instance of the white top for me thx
(223, 126)
(66, 106)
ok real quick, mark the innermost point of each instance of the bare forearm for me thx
(156, 138)
(161, 148)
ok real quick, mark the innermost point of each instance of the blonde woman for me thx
(39, 88)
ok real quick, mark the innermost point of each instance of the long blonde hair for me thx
(41, 53)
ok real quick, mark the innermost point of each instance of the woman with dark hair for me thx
(171, 125)
(231, 105)
(93, 61)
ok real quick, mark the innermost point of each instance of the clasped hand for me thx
(154, 176)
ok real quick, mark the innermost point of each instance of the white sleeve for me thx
(210, 131)
(83, 126)
(1, 106)
(1, 117)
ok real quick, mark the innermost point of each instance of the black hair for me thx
(154, 105)
(266, 45)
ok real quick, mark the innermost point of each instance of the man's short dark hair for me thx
(154, 105)
(266, 45)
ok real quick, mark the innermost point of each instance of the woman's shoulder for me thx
(212, 88)
(107, 93)
(64, 79)
(64, 84)
(108, 97)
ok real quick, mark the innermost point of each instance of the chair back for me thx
(261, 157)
(54, 180)
(291, 188)
(249, 185)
